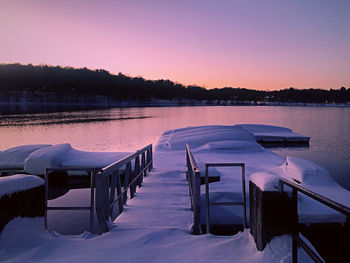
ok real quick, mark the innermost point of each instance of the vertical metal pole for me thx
(151, 167)
(137, 172)
(46, 195)
(143, 165)
(131, 177)
(113, 183)
(197, 202)
(126, 183)
(294, 250)
(207, 199)
(244, 198)
(119, 191)
(296, 230)
(149, 159)
(92, 200)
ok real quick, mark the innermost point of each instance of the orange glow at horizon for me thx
(227, 44)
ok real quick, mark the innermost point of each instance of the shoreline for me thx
(23, 107)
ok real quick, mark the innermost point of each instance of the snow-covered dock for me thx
(156, 225)
(274, 134)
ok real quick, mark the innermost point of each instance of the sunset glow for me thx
(251, 44)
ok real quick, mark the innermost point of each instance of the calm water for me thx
(128, 129)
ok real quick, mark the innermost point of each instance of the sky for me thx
(255, 44)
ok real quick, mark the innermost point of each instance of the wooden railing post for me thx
(272, 213)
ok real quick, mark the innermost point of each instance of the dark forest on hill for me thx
(45, 81)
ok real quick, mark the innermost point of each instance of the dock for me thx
(156, 223)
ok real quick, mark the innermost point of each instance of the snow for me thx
(222, 144)
(155, 225)
(266, 181)
(18, 182)
(198, 136)
(305, 171)
(14, 157)
(268, 133)
(310, 176)
(47, 157)
(63, 155)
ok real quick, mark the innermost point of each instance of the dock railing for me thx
(91, 172)
(208, 203)
(105, 183)
(296, 240)
(193, 177)
(109, 191)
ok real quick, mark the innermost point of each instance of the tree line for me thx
(44, 80)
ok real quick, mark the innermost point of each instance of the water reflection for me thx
(128, 129)
(62, 118)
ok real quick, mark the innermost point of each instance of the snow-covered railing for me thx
(105, 182)
(108, 182)
(193, 177)
(297, 241)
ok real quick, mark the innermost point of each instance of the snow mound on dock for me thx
(305, 171)
(14, 157)
(18, 182)
(266, 181)
(83, 159)
(198, 136)
(232, 146)
(312, 177)
(47, 157)
(63, 155)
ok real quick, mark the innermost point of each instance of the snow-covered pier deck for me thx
(155, 225)
(274, 134)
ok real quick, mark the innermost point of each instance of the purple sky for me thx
(251, 44)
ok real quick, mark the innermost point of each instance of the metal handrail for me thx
(320, 198)
(125, 160)
(297, 241)
(207, 201)
(103, 181)
(91, 171)
(193, 177)
(128, 187)
(108, 181)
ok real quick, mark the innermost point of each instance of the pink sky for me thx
(252, 44)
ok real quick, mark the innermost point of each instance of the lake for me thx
(129, 129)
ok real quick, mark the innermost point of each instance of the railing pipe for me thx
(103, 181)
(193, 175)
(297, 241)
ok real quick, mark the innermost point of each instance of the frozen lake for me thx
(128, 129)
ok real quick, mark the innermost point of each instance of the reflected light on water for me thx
(128, 129)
